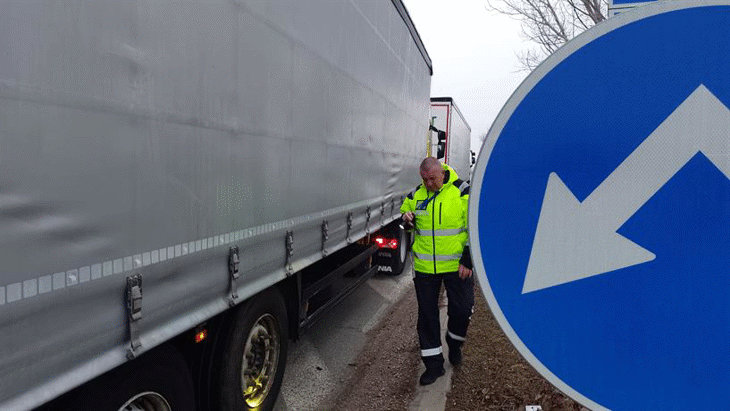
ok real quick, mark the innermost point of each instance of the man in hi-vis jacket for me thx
(438, 210)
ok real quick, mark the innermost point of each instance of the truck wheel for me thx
(156, 381)
(250, 368)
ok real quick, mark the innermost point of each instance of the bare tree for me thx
(550, 23)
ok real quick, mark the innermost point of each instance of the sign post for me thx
(600, 212)
(620, 6)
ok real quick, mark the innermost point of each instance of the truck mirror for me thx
(441, 152)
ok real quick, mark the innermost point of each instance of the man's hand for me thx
(464, 272)
(408, 217)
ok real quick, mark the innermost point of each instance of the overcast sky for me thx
(474, 54)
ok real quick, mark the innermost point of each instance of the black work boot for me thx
(434, 369)
(431, 375)
(454, 350)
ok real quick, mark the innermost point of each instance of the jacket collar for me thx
(449, 175)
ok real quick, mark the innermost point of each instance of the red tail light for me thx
(391, 243)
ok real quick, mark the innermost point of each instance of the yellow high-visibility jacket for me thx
(441, 239)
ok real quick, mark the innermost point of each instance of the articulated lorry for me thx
(450, 136)
(185, 186)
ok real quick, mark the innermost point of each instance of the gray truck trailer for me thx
(184, 186)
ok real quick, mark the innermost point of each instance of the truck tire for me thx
(157, 381)
(250, 366)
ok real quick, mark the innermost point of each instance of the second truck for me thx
(450, 138)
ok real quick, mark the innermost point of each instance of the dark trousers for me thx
(460, 294)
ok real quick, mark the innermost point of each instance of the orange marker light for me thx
(201, 335)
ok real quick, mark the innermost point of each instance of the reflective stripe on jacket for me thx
(441, 228)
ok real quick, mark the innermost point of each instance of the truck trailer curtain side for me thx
(151, 137)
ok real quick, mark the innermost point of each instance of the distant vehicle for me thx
(451, 136)
(185, 186)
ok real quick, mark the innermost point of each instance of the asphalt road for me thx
(320, 362)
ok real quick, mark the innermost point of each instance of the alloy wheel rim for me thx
(146, 401)
(260, 360)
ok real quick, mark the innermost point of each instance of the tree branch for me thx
(550, 23)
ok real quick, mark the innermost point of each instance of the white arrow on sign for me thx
(576, 240)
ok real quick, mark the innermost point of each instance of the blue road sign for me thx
(600, 212)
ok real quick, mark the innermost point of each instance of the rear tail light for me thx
(391, 243)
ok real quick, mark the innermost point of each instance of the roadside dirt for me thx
(492, 377)
(386, 369)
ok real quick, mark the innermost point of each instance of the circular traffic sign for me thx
(600, 212)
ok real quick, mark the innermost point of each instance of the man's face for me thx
(433, 178)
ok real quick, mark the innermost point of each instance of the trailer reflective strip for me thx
(45, 284)
(56, 281)
(118, 265)
(15, 292)
(431, 257)
(72, 277)
(30, 288)
(431, 351)
(84, 274)
(441, 233)
(96, 271)
(455, 337)
(59, 281)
